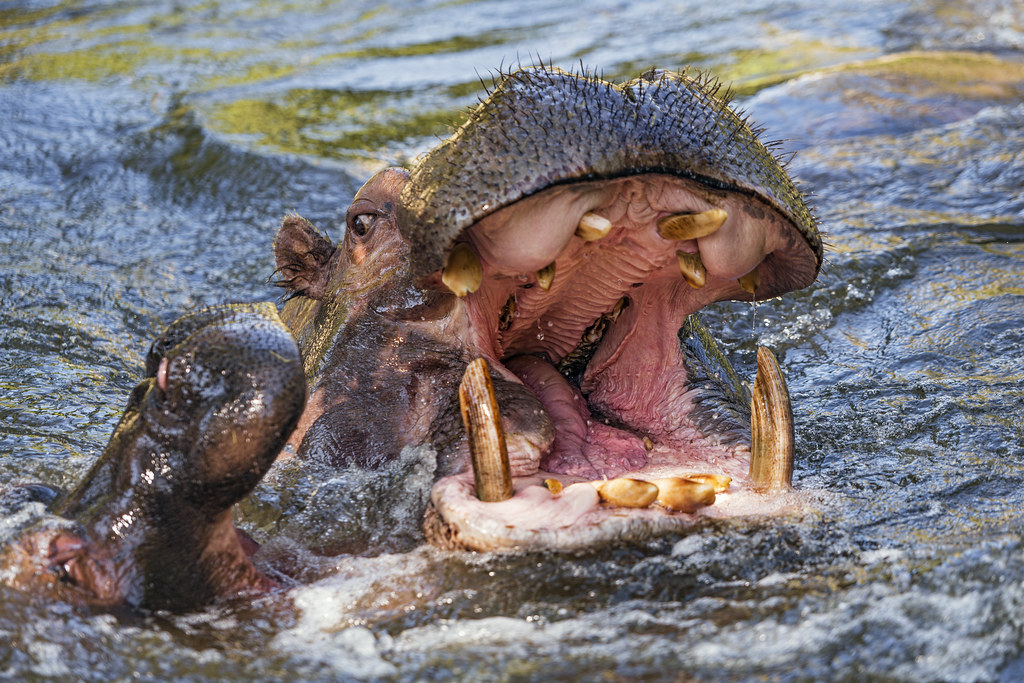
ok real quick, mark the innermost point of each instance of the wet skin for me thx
(150, 524)
(598, 367)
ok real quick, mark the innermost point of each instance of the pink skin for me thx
(637, 374)
(161, 375)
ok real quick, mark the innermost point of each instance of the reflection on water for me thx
(148, 151)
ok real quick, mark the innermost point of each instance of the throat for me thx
(638, 373)
(584, 445)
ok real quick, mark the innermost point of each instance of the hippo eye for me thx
(61, 571)
(362, 224)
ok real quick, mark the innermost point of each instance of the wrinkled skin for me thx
(150, 524)
(601, 372)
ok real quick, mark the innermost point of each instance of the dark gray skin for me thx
(385, 342)
(149, 526)
(543, 126)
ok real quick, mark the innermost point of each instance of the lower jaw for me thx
(571, 513)
(534, 518)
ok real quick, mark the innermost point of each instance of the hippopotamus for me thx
(149, 526)
(522, 302)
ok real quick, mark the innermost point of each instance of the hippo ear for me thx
(302, 255)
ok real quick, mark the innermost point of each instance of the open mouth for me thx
(618, 425)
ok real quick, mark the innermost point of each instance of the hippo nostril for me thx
(161, 374)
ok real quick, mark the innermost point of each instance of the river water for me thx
(148, 151)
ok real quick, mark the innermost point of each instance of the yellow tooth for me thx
(546, 275)
(554, 486)
(692, 269)
(720, 482)
(648, 444)
(626, 493)
(691, 226)
(463, 272)
(593, 227)
(482, 419)
(771, 427)
(508, 313)
(751, 281)
(684, 494)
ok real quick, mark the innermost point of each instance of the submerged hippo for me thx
(150, 524)
(521, 300)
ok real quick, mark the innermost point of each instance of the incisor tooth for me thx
(626, 493)
(482, 420)
(691, 226)
(463, 272)
(771, 427)
(692, 269)
(546, 275)
(593, 227)
(751, 281)
(685, 494)
(720, 482)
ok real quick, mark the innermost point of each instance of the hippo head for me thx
(534, 279)
(150, 524)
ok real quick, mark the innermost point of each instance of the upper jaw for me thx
(541, 127)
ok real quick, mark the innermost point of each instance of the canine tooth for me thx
(593, 227)
(626, 493)
(546, 275)
(691, 226)
(685, 494)
(771, 427)
(463, 272)
(751, 281)
(482, 420)
(692, 269)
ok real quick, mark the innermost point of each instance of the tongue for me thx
(583, 446)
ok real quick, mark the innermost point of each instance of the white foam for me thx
(329, 631)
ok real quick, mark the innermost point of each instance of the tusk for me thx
(771, 427)
(626, 493)
(593, 227)
(486, 437)
(691, 226)
(751, 281)
(546, 275)
(692, 269)
(463, 272)
(685, 494)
